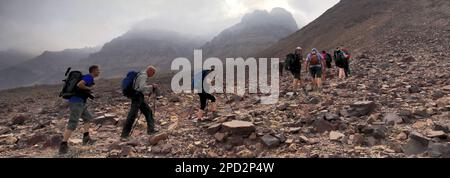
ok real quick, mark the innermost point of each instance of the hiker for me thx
(328, 60)
(199, 81)
(340, 60)
(294, 64)
(136, 91)
(347, 61)
(78, 109)
(315, 64)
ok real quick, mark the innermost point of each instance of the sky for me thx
(39, 25)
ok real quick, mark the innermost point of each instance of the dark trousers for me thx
(204, 97)
(347, 68)
(138, 103)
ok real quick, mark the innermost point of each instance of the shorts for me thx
(77, 111)
(296, 74)
(316, 72)
(204, 97)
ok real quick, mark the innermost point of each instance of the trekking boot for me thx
(152, 131)
(63, 148)
(87, 140)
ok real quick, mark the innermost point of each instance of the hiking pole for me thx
(135, 123)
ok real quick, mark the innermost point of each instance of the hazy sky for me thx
(38, 25)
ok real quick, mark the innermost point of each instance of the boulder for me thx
(270, 141)
(238, 127)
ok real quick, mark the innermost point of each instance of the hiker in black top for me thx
(204, 95)
(294, 64)
(340, 59)
(138, 103)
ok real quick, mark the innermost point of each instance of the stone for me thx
(437, 134)
(238, 127)
(35, 139)
(439, 150)
(20, 120)
(270, 141)
(409, 59)
(446, 88)
(107, 119)
(414, 89)
(125, 151)
(4, 130)
(402, 136)
(214, 128)
(174, 99)
(321, 125)
(294, 130)
(392, 119)
(336, 136)
(8, 140)
(166, 148)
(53, 142)
(283, 107)
(359, 109)
(220, 137)
(443, 102)
(235, 140)
(331, 117)
(304, 139)
(417, 144)
(314, 100)
(443, 128)
(377, 131)
(253, 136)
(246, 153)
(154, 140)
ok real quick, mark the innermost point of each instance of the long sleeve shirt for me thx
(140, 84)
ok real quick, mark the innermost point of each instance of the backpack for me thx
(329, 59)
(128, 84)
(70, 84)
(314, 59)
(291, 62)
(340, 56)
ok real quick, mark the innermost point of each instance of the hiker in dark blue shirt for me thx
(78, 109)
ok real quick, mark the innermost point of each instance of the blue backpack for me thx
(128, 83)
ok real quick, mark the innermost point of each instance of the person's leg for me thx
(76, 110)
(147, 112)
(313, 76)
(132, 114)
(87, 118)
(213, 102)
(202, 105)
(319, 77)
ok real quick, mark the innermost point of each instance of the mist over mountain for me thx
(10, 58)
(47, 68)
(256, 31)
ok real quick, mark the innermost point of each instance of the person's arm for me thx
(82, 85)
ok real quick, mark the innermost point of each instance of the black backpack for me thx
(70, 83)
(329, 58)
(290, 61)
